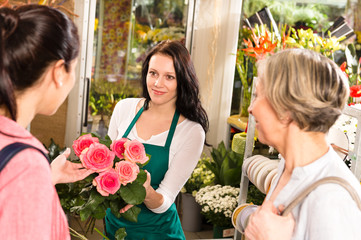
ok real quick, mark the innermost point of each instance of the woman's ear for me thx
(286, 118)
(59, 73)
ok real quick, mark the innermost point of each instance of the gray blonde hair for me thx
(305, 85)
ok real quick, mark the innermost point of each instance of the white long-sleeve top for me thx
(328, 212)
(185, 150)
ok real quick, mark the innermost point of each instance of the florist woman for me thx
(171, 123)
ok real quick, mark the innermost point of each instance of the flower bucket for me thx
(191, 214)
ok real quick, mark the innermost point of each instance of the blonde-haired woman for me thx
(299, 96)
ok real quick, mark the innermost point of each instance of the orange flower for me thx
(262, 45)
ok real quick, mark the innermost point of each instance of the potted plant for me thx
(217, 205)
(191, 210)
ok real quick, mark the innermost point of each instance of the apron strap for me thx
(172, 129)
(135, 119)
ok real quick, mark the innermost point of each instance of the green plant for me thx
(105, 95)
(254, 195)
(226, 166)
(200, 177)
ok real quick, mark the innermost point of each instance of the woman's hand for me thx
(265, 223)
(64, 171)
(150, 198)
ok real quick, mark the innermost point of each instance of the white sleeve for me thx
(182, 165)
(114, 122)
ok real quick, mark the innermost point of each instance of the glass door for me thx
(124, 31)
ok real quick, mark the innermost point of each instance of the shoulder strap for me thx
(135, 119)
(172, 129)
(11, 150)
(325, 180)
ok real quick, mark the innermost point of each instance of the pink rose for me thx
(127, 171)
(83, 142)
(107, 182)
(135, 152)
(118, 147)
(97, 157)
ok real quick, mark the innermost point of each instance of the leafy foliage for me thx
(226, 166)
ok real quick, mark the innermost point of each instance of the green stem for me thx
(105, 237)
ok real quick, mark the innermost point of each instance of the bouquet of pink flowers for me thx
(118, 179)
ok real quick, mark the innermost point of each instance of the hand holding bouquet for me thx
(118, 179)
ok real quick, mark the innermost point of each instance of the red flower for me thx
(343, 66)
(355, 91)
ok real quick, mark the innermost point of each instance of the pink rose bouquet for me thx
(118, 179)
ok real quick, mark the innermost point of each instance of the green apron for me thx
(150, 225)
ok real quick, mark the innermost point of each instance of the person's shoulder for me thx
(191, 125)
(28, 163)
(127, 103)
(331, 195)
(190, 129)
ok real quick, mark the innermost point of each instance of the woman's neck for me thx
(26, 107)
(162, 110)
(301, 148)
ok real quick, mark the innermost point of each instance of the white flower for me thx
(348, 125)
(218, 202)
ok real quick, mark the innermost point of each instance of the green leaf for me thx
(351, 58)
(232, 177)
(132, 214)
(99, 212)
(214, 170)
(120, 234)
(133, 193)
(115, 206)
(94, 200)
(141, 178)
(85, 213)
(217, 157)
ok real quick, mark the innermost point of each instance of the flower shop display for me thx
(191, 210)
(218, 203)
(118, 179)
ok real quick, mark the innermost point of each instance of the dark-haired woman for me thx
(171, 123)
(38, 54)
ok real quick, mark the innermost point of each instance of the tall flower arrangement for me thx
(259, 42)
(118, 179)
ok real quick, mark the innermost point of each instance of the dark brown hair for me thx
(31, 38)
